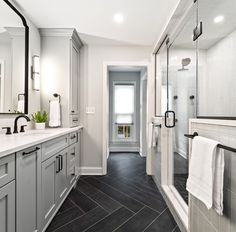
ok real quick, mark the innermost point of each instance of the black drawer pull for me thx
(73, 153)
(57, 164)
(27, 153)
(61, 162)
(73, 137)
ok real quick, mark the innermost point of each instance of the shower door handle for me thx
(167, 116)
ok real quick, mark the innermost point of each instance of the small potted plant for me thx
(40, 120)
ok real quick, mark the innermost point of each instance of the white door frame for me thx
(105, 102)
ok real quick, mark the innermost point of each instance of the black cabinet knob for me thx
(8, 132)
(22, 128)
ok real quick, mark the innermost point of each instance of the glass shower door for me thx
(182, 101)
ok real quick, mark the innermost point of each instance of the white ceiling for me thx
(143, 24)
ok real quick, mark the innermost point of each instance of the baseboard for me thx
(124, 149)
(181, 152)
(96, 171)
(142, 154)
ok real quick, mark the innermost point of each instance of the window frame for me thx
(133, 126)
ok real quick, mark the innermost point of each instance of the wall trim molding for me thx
(90, 171)
(124, 149)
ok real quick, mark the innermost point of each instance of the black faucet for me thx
(16, 120)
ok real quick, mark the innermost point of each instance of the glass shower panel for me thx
(182, 100)
(217, 59)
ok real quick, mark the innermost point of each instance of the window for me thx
(124, 110)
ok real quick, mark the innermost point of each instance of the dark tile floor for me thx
(181, 175)
(126, 199)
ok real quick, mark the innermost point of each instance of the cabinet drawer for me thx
(7, 169)
(52, 147)
(71, 156)
(73, 138)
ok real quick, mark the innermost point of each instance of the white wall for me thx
(91, 92)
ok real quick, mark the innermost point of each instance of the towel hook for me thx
(56, 95)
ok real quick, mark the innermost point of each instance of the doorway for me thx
(125, 109)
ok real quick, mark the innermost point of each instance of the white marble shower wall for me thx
(216, 80)
(200, 218)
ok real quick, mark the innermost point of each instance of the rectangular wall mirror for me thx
(14, 47)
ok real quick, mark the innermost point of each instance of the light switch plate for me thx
(90, 110)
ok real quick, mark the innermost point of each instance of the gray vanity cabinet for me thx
(48, 197)
(28, 182)
(61, 176)
(7, 207)
(54, 184)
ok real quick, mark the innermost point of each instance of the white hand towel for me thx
(21, 106)
(150, 132)
(55, 114)
(155, 136)
(206, 173)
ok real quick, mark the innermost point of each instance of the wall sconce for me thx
(35, 73)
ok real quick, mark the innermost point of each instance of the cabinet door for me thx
(74, 79)
(28, 173)
(7, 208)
(49, 172)
(61, 176)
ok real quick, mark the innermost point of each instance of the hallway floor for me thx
(126, 199)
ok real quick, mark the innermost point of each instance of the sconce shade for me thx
(36, 81)
(36, 64)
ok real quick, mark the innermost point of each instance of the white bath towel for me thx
(21, 106)
(55, 114)
(206, 173)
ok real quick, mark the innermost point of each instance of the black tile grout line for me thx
(137, 188)
(133, 199)
(128, 219)
(154, 220)
(112, 199)
(140, 183)
(103, 219)
(174, 228)
(94, 201)
(74, 206)
(72, 220)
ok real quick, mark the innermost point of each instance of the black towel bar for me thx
(219, 145)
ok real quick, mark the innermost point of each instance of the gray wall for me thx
(124, 76)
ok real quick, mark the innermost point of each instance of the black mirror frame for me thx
(26, 53)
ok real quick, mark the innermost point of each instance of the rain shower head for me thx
(185, 62)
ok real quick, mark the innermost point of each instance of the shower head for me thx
(185, 62)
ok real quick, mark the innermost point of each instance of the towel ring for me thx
(20, 94)
(56, 95)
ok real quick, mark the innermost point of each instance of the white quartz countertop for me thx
(17, 142)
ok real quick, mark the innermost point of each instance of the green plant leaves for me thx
(39, 117)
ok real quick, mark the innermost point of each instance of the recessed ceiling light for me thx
(118, 18)
(219, 19)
